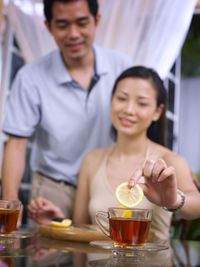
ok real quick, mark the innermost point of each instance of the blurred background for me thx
(164, 35)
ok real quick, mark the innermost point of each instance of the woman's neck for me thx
(129, 147)
(127, 156)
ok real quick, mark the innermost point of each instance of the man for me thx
(64, 100)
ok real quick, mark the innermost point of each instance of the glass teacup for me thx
(9, 211)
(127, 227)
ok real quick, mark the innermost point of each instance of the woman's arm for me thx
(90, 165)
(81, 213)
(191, 209)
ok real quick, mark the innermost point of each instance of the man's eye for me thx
(61, 26)
(83, 24)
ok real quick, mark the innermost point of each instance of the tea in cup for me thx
(9, 211)
(127, 227)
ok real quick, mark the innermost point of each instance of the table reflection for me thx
(160, 258)
(46, 252)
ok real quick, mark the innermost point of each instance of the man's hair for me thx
(48, 4)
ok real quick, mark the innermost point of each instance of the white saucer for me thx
(16, 235)
(145, 247)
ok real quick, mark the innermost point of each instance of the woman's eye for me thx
(142, 104)
(121, 98)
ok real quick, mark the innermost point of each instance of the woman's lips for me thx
(126, 122)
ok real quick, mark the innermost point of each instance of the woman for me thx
(138, 117)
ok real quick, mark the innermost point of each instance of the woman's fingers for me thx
(166, 173)
(37, 204)
(157, 170)
(32, 206)
(158, 167)
(135, 177)
(148, 168)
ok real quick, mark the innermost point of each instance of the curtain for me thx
(1, 7)
(31, 34)
(150, 32)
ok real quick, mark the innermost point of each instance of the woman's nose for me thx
(130, 107)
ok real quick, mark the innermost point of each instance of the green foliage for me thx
(198, 176)
(194, 230)
(190, 51)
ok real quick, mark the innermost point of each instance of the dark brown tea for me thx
(129, 232)
(8, 220)
(9, 261)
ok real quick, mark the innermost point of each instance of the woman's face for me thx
(134, 106)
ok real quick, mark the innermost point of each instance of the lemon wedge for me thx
(129, 197)
(63, 224)
(127, 214)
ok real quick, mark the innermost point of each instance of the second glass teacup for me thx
(127, 227)
(9, 211)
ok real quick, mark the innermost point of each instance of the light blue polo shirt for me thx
(67, 121)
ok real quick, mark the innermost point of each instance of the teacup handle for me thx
(98, 216)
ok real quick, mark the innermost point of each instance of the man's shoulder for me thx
(112, 54)
(39, 65)
(111, 61)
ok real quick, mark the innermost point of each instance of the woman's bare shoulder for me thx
(93, 159)
(97, 154)
(159, 151)
(175, 160)
(170, 157)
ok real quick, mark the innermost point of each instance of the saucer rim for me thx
(149, 246)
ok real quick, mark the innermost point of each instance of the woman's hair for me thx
(156, 131)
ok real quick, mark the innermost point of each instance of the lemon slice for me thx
(63, 224)
(129, 197)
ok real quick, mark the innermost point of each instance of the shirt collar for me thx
(59, 69)
(101, 65)
(62, 75)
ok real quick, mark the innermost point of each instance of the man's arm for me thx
(13, 166)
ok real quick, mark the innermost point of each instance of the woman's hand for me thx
(43, 211)
(160, 185)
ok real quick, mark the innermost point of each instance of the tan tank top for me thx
(102, 197)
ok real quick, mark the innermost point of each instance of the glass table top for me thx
(47, 252)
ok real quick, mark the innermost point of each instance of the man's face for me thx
(73, 28)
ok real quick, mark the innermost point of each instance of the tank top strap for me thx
(146, 154)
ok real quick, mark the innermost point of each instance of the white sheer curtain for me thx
(28, 25)
(151, 32)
